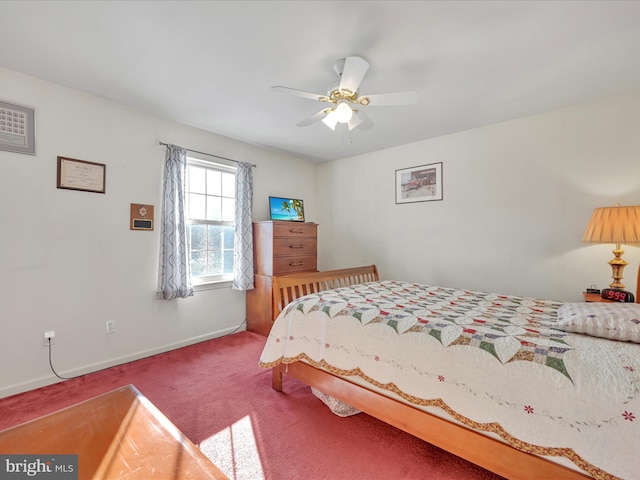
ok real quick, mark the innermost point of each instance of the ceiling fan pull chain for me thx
(343, 136)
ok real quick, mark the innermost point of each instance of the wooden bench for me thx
(119, 435)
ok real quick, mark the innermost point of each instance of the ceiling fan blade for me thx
(312, 119)
(389, 99)
(353, 73)
(363, 121)
(300, 93)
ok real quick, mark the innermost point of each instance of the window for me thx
(210, 195)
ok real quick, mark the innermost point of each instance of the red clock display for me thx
(616, 295)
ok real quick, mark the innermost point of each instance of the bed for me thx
(527, 397)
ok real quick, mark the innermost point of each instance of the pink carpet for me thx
(218, 396)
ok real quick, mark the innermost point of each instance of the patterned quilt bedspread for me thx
(494, 363)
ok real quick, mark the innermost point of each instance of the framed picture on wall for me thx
(419, 184)
(17, 128)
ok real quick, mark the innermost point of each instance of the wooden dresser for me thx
(279, 248)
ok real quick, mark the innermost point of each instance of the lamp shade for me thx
(330, 120)
(615, 225)
(343, 112)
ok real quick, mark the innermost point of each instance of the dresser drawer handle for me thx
(296, 246)
(296, 264)
(296, 231)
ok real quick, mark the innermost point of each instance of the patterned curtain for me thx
(243, 239)
(175, 269)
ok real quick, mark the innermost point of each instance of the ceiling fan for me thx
(345, 99)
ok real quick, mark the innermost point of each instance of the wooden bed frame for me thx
(289, 287)
(475, 447)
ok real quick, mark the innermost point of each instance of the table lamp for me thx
(615, 225)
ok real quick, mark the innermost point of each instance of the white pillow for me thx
(616, 321)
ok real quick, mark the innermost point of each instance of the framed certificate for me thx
(81, 175)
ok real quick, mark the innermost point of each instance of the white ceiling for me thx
(211, 64)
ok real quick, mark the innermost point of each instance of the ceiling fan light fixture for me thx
(343, 112)
(330, 120)
(344, 99)
(355, 121)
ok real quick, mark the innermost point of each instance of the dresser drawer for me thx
(284, 265)
(286, 247)
(283, 229)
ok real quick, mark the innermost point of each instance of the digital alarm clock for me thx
(616, 295)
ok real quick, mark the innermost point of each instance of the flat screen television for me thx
(287, 209)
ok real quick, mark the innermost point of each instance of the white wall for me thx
(68, 261)
(517, 198)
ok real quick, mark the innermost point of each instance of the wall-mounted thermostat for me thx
(141, 217)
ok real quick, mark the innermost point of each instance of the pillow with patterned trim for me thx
(615, 321)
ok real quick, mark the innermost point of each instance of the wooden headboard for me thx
(289, 287)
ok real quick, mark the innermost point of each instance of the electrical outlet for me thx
(49, 338)
(110, 326)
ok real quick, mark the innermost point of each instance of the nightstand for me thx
(594, 297)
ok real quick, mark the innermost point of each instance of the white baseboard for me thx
(95, 367)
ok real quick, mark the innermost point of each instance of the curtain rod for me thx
(208, 154)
